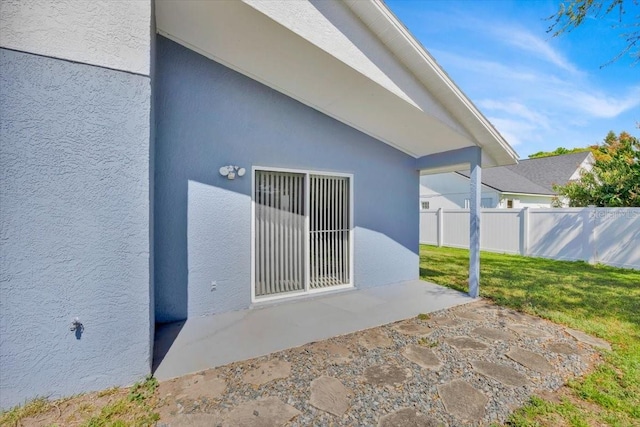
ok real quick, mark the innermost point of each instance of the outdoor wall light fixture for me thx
(231, 171)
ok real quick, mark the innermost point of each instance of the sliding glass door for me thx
(301, 232)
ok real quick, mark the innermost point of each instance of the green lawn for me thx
(600, 300)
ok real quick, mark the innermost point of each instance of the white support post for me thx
(474, 224)
(440, 230)
(589, 253)
(525, 232)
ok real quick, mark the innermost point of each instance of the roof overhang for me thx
(353, 61)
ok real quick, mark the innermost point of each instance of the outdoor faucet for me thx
(76, 325)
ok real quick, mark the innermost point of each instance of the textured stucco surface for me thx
(74, 224)
(108, 33)
(208, 116)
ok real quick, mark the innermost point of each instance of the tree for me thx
(557, 152)
(614, 180)
(572, 13)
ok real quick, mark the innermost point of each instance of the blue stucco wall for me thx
(207, 116)
(74, 224)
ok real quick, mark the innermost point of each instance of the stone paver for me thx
(463, 401)
(423, 356)
(531, 360)
(386, 375)
(332, 352)
(268, 371)
(588, 339)
(465, 343)
(199, 385)
(518, 317)
(194, 420)
(469, 315)
(447, 322)
(328, 394)
(408, 417)
(529, 331)
(413, 329)
(266, 412)
(503, 373)
(375, 338)
(493, 334)
(563, 348)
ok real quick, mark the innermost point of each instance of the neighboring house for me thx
(526, 184)
(169, 160)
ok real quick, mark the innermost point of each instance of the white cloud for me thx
(516, 109)
(531, 43)
(601, 105)
(475, 65)
(514, 130)
(525, 92)
(538, 92)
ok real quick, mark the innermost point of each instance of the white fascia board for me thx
(408, 50)
(444, 169)
(506, 193)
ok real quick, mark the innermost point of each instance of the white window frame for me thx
(307, 289)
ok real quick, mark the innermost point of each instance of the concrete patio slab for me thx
(206, 342)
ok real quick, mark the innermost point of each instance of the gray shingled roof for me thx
(532, 176)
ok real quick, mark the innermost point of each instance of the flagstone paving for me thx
(408, 417)
(422, 356)
(493, 334)
(502, 373)
(588, 339)
(411, 328)
(531, 360)
(529, 331)
(330, 395)
(386, 375)
(466, 343)
(463, 401)
(469, 365)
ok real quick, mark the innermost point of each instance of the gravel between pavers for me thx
(371, 402)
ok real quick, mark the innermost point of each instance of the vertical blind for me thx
(279, 232)
(329, 231)
(280, 236)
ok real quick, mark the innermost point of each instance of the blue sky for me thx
(540, 92)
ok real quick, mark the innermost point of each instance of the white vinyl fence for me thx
(597, 235)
